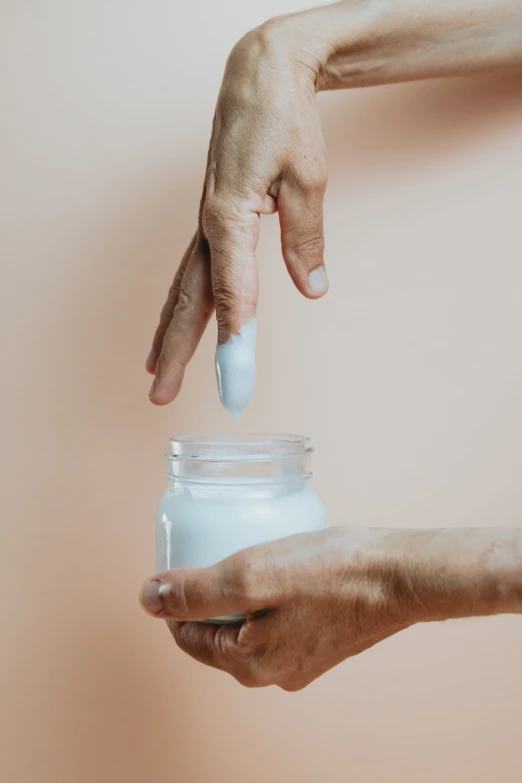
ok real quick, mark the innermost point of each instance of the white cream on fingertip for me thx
(236, 369)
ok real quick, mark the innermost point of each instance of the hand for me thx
(316, 599)
(267, 151)
(312, 601)
(266, 155)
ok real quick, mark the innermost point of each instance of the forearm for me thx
(464, 572)
(371, 42)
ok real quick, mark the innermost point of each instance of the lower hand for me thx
(311, 601)
(315, 599)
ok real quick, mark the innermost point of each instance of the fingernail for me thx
(151, 358)
(317, 280)
(152, 388)
(150, 596)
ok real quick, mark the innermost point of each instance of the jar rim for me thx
(238, 447)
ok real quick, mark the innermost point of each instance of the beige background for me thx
(408, 376)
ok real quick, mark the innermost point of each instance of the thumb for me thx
(194, 594)
(300, 205)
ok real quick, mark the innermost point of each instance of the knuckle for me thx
(214, 215)
(175, 600)
(184, 595)
(314, 180)
(251, 578)
(244, 577)
(252, 679)
(185, 300)
(224, 216)
(246, 680)
(292, 687)
(228, 302)
(311, 245)
(192, 641)
(193, 298)
(234, 578)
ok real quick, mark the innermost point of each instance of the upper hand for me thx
(266, 155)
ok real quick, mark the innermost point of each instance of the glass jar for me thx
(229, 492)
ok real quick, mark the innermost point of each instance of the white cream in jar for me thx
(230, 492)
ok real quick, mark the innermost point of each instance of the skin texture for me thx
(267, 152)
(315, 599)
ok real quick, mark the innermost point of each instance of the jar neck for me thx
(234, 489)
(240, 459)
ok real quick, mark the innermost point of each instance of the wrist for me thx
(372, 42)
(414, 576)
(336, 43)
(469, 572)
